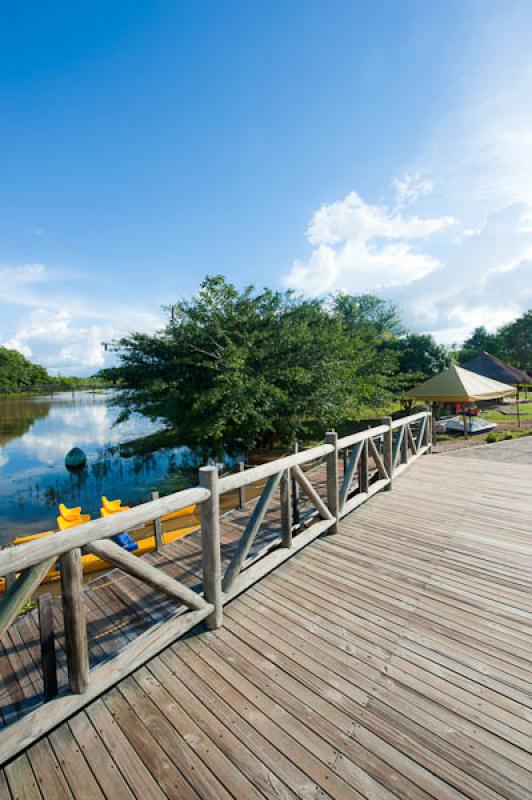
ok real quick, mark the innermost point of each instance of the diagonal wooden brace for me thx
(138, 568)
(248, 537)
(383, 472)
(397, 446)
(411, 440)
(21, 591)
(311, 492)
(421, 433)
(349, 472)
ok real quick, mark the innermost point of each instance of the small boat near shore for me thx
(475, 425)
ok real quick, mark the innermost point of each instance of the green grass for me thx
(502, 436)
(494, 415)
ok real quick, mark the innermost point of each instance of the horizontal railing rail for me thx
(14, 559)
(254, 474)
(371, 460)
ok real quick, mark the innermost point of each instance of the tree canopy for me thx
(516, 341)
(241, 368)
(511, 343)
(420, 357)
(17, 373)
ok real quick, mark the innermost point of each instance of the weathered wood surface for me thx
(20, 591)
(117, 606)
(138, 568)
(211, 546)
(252, 528)
(47, 639)
(75, 621)
(393, 660)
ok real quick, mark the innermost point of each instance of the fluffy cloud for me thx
(18, 282)
(44, 314)
(362, 247)
(464, 258)
(58, 341)
(410, 188)
(447, 278)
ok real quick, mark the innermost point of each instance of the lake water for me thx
(36, 432)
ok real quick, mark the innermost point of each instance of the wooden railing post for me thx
(404, 445)
(47, 639)
(242, 489)
(295, 495)
(363, 469)
(286, 508)
(157, 525)
(210, 546)
(76, 645)
(387, 450)
(428, 429)
(333, 502)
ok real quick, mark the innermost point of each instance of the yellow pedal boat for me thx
(93, 563)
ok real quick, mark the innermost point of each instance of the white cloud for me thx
(447, 283)
(486, 280)
(58, 341)
(475, 168)
(361, 247)
(410, 188)
(45, 315)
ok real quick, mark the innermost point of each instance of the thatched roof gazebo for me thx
(492, 367)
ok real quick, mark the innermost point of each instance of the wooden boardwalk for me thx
(119, 607)
(391, 660)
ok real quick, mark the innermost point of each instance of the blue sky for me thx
(323, 146)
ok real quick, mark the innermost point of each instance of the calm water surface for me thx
(36, 432)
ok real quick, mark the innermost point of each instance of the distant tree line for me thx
(18, 374)
(511, 343)
(247, 368)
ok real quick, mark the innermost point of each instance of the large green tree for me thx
(249, 367)
(419, 357)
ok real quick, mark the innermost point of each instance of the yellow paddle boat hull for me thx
(92, 563)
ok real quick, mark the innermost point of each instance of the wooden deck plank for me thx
(139, 779)
(99, 759)
(47, 771)
(392, 660)
(74, 765)
(232, 708)
(156, 744)
(332, 712)
(21, 779)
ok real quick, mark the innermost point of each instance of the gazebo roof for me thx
(459, 385)
(492, 367)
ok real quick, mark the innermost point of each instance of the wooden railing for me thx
(371, 460)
